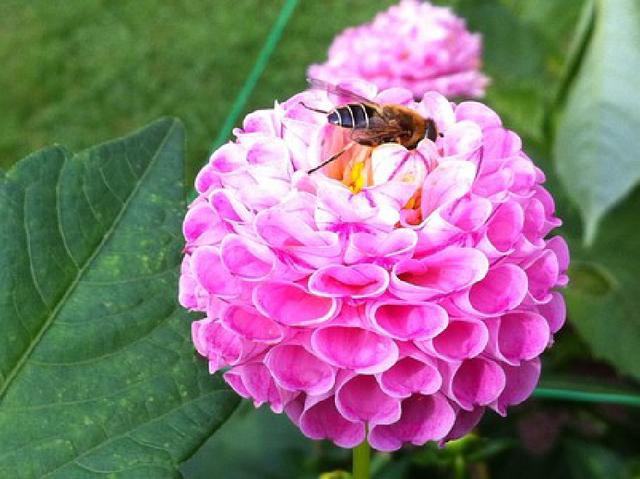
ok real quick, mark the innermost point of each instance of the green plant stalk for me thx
(587, 396)
(361, 461)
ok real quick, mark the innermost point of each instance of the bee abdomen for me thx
(353, 115)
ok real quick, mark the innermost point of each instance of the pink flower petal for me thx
(354, 348)
(478, 113)
(520, 383)
(502, 289)
(214, 341)
(356, 281)
(398, 243)
(361, 399)
(407, 320)
(543, 274)
(228, 158)
(555, 312)
(424, 418)
(462, 339)
(518, 336)
(323, 421)
(450, 181)
(259, 384)
(475, 382)
(444, 272)
(246, 259)
(228, 207)
(462, 140)
(559, 246)
(465, 422)
(296, 369)
(202, 225)
(408, 376)
(251, 325)
(291, 305)
(504, 229)
(210, 273)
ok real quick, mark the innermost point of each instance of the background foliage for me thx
(564, 77)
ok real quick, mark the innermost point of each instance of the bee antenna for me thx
(333, 158)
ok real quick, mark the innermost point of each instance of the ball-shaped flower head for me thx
(412, 45)
(399, 292)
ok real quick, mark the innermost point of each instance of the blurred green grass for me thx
(83, 71)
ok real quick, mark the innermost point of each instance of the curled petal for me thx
(255, 380)
(407, 320)
(321, 420)
(296, 369)
(503, 230)
(291, 305)
(398, 243)
(246, 259)
(559, 246)
(502, 289)
(450, 181)
(478, 113)
(543, 273)
(356, 281)
(424, 418)
(520, 383)
(210, 273)
(202, 226)
(215, 342)
(465, 422)
(447, 271)
(462, 339)
(354, 348)
(474, 382)
(228, 158)
(408, 376)
(555, 312)
(228, 207)
(251, 325)
(462, 140)
(517, 336)
(361, 399)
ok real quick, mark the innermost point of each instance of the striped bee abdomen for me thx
(353, 115)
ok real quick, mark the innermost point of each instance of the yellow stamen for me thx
(357, 176)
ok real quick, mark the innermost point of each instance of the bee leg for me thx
(333, 158)
(317, 110)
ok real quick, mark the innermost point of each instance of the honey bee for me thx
(373, 124)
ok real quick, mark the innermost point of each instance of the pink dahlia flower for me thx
(396, 293)
(413, 45)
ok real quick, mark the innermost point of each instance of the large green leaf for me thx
(97, 376)
(602, 297)
(597, 149)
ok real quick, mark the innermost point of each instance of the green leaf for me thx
(597, 143)
(602, 298)
(97, 374)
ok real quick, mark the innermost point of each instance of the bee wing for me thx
(378, 133)
(343, 93)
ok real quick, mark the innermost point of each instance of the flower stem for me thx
(361, 457)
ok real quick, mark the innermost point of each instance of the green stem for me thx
(361, 461)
